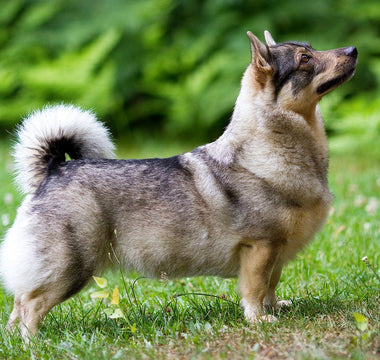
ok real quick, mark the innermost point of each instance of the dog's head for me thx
(296, 76)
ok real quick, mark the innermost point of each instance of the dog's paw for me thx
(255, 314)
(277, 304)
(255, 319)
(267, 318)
(283, 303)
(251, 313)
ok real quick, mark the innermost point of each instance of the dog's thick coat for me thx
(240, 206)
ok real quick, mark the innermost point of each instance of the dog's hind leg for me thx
(33, 307)
(35, 304)
(15, 315)
(257, 263)
(44, 264)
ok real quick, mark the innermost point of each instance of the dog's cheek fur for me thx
(290, 71)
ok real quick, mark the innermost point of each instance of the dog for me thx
(241, 206)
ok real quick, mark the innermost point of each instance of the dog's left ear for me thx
(269, 39)
(261, 55)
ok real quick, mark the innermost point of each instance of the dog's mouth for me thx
(335, 82)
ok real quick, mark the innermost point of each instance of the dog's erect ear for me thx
(261, 55)
(268, 38)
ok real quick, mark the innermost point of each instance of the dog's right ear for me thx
(261, 55)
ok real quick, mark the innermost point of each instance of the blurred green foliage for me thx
(172, 66)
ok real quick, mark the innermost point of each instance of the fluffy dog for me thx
(240, 206)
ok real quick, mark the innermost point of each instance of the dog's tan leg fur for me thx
(257, 263)
(270, 299)
(15, 315)
(32, 309)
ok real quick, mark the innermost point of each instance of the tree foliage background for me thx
(173, 67)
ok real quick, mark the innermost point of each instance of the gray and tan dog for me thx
(241, 206)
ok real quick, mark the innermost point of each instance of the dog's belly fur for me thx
(172, 217)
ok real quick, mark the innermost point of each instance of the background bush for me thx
(174, 67)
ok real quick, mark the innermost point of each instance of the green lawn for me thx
(200, 317)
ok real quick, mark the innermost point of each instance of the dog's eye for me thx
(305, 58)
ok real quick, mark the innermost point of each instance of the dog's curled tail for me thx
(47, 135)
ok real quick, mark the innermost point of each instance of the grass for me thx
(199, 318)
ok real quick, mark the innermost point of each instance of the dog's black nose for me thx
(351, 51)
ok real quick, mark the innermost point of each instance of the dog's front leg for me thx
(257, 261)
(270, 299)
